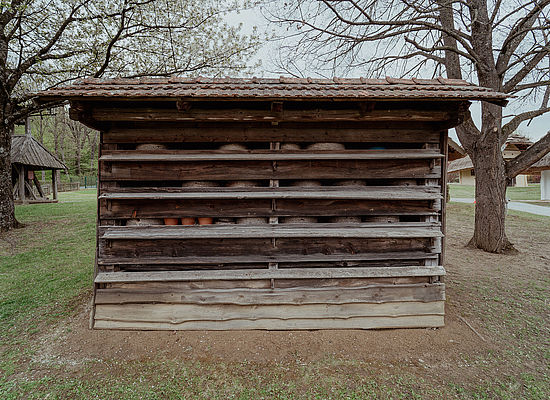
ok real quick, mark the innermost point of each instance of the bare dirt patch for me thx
(21, 239)
(493, 293)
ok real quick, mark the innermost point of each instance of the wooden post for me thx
(545, 185)
(22, 183)
(54, 184)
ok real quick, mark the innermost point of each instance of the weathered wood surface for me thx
(140, 114)
(284, 132)
(290, 273)
(412, 321)
(247, 170)
(124, 209)
(258, 246)
(179, 313)
(364, 230)
(254, 258)
(262, 155)
(295, 284)
(368, 294)
(327, 192)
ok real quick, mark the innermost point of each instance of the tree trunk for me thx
(490, 207)
(7, 210)
(78, 172)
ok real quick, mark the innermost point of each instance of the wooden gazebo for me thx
(270, 203)
(28, 156)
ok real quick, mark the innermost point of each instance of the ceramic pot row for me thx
(189, 221)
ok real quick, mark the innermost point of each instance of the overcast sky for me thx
(250, 18)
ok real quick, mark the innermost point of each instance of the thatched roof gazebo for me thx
(27, 156)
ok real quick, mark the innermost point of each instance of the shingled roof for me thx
(26, 150)
(541, 165)
(279, 88)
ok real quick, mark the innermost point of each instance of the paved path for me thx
(515, 205)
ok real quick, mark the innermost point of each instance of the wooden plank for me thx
(368, 294)
(341, 283)
(147, 249)
(247, 170)
(327, 192)
(144, 267)
(295, 284)
(179, 313)
(294, 273)
(38, 186)
(224, 208)
(416, 321)
(262, 155)
(140, 114)
(21, 183)
(409, 132)
(364, 230)
(254, 259)
(54, 183)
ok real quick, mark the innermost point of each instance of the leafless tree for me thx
(503, 45)
(44, 43)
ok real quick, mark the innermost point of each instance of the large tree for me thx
(500, 44)
(44, 43)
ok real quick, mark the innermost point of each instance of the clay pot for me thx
(306, 183)
(225, 221)
(350, 182)
(346, 220)
(144, 221)
(290, 146)
(251, 221)
(206, 220)
(150, 146)
(171, 221)
(233, 147)
(241, 184)
(389, 219)
(188, 221)
(326, 146)
(200, 184)
(298, 220)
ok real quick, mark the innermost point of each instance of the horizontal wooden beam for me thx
(225, 132)
(376, 293)
(364, 230)
(247, 170)
(283, 258)
(241, 114)
(327, 192)
(289, 273)
(180, 313)
(410, 321)
(216, 155)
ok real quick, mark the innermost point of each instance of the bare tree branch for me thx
(514, 123)
(525, 70)
(528, 157)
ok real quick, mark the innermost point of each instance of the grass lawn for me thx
(532, 192)
(47, 351)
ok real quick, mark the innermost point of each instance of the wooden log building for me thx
(270, 203)
(27, 157)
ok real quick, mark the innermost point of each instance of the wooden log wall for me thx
(291, 235)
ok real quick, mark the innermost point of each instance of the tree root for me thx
(506, 247)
